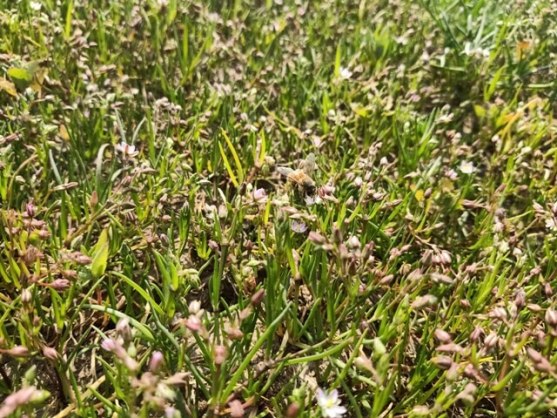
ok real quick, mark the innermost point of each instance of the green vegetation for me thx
(157, 257)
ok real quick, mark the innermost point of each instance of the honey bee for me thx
(301, 177)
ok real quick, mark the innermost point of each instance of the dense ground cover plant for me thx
(161, 254)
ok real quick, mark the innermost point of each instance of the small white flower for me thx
(35, 5)
(345, 73)
(260, 196)
(451, 174)
(401, 40)
(447, 118)
(550, 224)
(353, 243)
(475, 51)
(498, 226)
(298, 226)
(127, 150)
(330, 403)
(467, 167)
(313, 200)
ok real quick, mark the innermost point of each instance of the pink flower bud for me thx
(31, 255)
(317, 238)
(259, 195)
(193, 323)
(15, 400)
(293, 410)
(551, 317)
(30, 209)
(109, 345)
(60, 284)
(220, 354)
(476, 334)
(50, 353)
(442, 336)
(534, 355)
(236, 409)
(83, 260)
(123, 328)
(450, 348)
(258, 297)
(353, 243)
(443, 362)
(17, 351)
(156, 362)
(491, 340)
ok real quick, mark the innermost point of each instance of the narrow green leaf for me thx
(247, 360)
(68, 25)
(239, 168)
(228, 167)
(100, 255)
(338, 56)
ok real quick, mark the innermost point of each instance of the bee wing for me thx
(285, 171)
(308, 165)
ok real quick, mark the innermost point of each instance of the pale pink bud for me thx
(258, 297)
(465, 303)
(233, 332)
(30, 209)
(450, 348)
(423, 301)
(534, 355)
(94, 199)
(472, 373)
(83, 260)
(156, 361)
(498, 313)
(293, 410)
(317, 238)
(193, 323)
(50, 353)
(220, 354)
(123, 328)
(387, 279)
(259, 195)
(443, 362)
(547, 290)
(236, 409)
(130, 363)
(491, 340)
(551, 317)
(171, 412)
(31, 255)
(15, 400)
(43, 234)
(109, 345)
(544, 366)
(353, 243)
(60, 284)
(520, 299)
(17, 351)
(534, 307)
(476, 334)
(442, 336)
